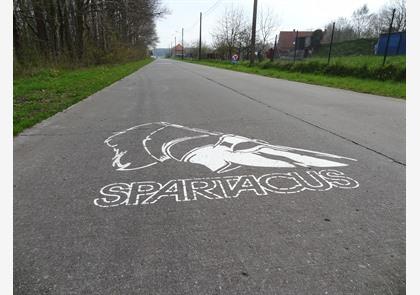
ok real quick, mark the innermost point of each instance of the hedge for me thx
(382, 73)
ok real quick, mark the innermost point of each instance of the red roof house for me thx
(178, 50)
(287, 39)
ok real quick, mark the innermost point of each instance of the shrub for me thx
(363, 71)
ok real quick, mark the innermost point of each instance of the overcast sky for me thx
(291, 14)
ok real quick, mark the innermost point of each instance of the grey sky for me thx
(296, 14)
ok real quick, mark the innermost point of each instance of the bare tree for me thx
(205, 48)
(343, 30)
(267, 23)
(244, 41)
(364, 24)
(361, 18)
(226, 34)
(400, 18)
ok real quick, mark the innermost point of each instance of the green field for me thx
(361, 60)
(355, 53)
(369, 60)
(348, 48)
(364, 67)
(41, 95)
(372, 86)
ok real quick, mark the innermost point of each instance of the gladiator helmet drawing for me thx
(149, 144)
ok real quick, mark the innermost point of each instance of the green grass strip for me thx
(385, 88)
(50, 91)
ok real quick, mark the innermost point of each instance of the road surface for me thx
(186, 179)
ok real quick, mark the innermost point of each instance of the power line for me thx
(213, 7)
(193, 25)
(207, 12)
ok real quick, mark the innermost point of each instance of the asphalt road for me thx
(231, 189)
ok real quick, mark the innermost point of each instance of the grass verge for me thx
(398, 61)
(50, 91)
(385, 88)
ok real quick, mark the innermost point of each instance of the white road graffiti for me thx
(148, 144)
(145, 145)
(216, 188)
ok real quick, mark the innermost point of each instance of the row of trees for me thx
(232, 34)
(83, 31)
(366, 24)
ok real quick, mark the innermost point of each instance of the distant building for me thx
(178, 50)
(286, 41)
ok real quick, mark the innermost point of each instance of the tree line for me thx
(232, 34)
(366, 24)
(83, 31)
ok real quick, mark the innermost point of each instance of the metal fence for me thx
(292, 46)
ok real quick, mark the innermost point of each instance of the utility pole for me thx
(199, 42)
(277, 47)
(389, 35)
(175, 48)
(254, 26)
(182, 43)
(331, 41)
(274, 49)
(296, 45)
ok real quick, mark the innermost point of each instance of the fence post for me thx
(296, 44)
(399, 43)
(331, 41)
(389, 35)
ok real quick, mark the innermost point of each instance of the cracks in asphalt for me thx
(68, 133)
(297, 118)
(51, 135)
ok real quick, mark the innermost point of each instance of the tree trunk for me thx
(79, 28)
(40, 26)
(16, 39)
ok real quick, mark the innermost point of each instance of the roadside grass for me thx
(378, 87)
(49, 91)
(362, 60)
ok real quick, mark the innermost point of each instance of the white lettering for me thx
(181, 190)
